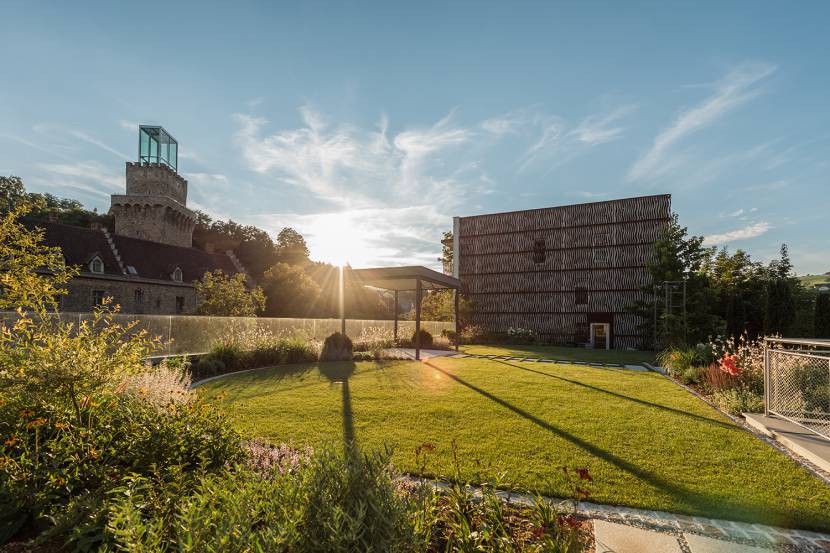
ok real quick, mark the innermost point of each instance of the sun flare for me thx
(339, 239)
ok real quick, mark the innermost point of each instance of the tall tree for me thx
(677, 256)
(822, 316)
(782, 291)
(228, 296)
(290, 292)
(291, 247)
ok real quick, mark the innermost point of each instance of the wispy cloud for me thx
(749, 231)
(52, 129)
(736, 88)
(90, 177)
(599, 129)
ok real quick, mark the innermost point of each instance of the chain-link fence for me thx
(797, 382)
(196, 334)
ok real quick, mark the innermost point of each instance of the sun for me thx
(339, 239)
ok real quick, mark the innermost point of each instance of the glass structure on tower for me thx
(155, 145)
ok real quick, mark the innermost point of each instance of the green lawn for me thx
(565, 353)
(647, 442)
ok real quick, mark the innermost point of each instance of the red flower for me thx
(729, 364)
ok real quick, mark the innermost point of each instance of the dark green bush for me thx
(337, 347)
(296, 350)
(58, 471)
(426, 339)
(206, 366)
(335, 502)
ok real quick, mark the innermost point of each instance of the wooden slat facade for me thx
(532, 269)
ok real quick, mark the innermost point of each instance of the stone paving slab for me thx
(610, 537)
(702, 544)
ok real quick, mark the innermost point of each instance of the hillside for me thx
(810, 280)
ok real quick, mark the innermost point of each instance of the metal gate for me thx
(797, 382)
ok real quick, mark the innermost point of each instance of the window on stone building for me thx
(177, 274)
(138, 298)
(179, 304)
(581, 294)
(98, 297)
(539, 251)
(96, 265)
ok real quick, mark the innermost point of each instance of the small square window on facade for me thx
(179, 304)
(539, 252)
(581, 295)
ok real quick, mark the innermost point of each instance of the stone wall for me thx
(155, 179)
(154, 218)
(156, 299)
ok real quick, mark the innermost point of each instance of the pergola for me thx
(400, 279)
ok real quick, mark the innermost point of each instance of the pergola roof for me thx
(404, 278)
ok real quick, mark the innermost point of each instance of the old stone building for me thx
(148, 264)
(567, 273)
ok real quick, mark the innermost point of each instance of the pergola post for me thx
(457, 322)
(396, 316)
(418, 319)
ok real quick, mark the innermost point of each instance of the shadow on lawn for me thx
(624, 397)
(694, 502)
(339, 374)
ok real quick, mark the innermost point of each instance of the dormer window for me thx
(96, 265)
(177, 274)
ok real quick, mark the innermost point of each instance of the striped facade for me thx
(560, 271)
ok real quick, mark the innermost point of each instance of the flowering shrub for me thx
(729, 364)
(520, 336)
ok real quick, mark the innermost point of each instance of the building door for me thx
(600, 336)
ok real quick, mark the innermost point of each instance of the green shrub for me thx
(426, 339)
(738, 400)
(57, 471)
(337, 347)
(334, 502)
(296, 350)
(207, 365)
(692, 375)
(519, 336)
(678, 360)
(364, 356)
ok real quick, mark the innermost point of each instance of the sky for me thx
(368, 125)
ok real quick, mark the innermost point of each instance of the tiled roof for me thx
(79, 244)
(151, 260)
(158, 261)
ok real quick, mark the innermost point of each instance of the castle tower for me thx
(154, 206)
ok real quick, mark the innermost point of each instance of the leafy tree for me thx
(677, 256)
(46, 206)
(439, 305)
(12, 193)
(741, 291)
(253, 246)
(822, 316)
(228, 296)
(290, 292)
(291, 247)
(446, 248)
(32, 275)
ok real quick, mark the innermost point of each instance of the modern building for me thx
(568, 273)
(148, 264)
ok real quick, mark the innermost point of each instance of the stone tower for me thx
(154, 207)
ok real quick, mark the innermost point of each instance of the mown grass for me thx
(565, 353)
(647, 442)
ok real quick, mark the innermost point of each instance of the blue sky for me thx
(367, 126)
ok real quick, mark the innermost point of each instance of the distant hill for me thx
(810, 280)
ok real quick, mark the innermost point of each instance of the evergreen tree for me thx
(676, 256)
(822, 316)
(782, 290)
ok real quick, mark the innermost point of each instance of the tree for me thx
(290, 292)
(32, 275)
(12, 193)
(291, 247)
(446, 249)
(677, 256)
(439, 305)
(782, 291)
(228, 296)
(822, 316)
